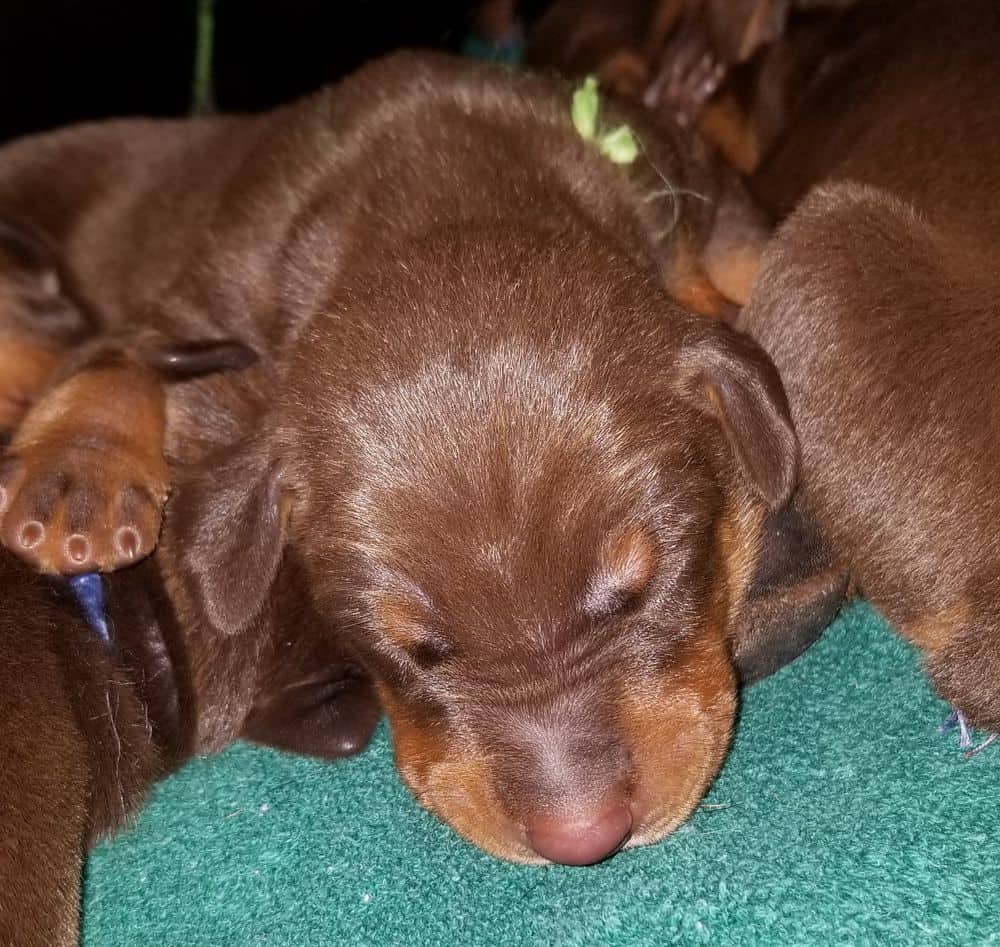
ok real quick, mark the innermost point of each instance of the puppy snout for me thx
(584, 837)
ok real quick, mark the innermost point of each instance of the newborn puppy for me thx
(877, 303)
(528, 488)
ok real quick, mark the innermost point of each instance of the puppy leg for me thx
(310, 698)
(796, 590)
(716, 277)
(85, 479)
(740, 231)
(709, 39)
(25, 370)
(732, 129)
(690, 72)
(84, 482)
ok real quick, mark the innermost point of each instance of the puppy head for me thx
(531, 541)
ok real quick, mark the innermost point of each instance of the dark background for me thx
(68, 60)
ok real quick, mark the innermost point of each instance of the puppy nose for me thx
(583, 839)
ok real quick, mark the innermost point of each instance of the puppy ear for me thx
(726, 375)
(229, 527)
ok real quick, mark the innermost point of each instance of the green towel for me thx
(842, 817)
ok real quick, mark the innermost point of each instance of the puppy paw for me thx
(85, 506)
(689, 76)
(329, 719)
(965, 742)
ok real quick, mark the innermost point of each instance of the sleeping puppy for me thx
(107, 256)
(527, 491)
(877, 303)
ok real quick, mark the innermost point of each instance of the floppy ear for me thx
(228, 524)
(728, 376)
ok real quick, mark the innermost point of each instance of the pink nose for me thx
(584, 839)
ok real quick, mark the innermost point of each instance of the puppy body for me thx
(526, 486)
(877, 305)
(169, 232)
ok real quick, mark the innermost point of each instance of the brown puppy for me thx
(527, 488)
(877, 303)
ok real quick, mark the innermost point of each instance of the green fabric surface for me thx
(841, 817)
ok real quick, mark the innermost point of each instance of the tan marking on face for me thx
(628, 562)
(677, 729)
(448, 777)
(678, 732)
(676, 725)
(632, 559)
(401, 620)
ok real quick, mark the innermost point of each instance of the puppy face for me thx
(531, 537)
(531, 586)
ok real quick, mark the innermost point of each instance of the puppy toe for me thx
(137, 526)
(78, 552)
(30, 522)
(81, 529)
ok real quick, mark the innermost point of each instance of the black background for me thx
(68, 60)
